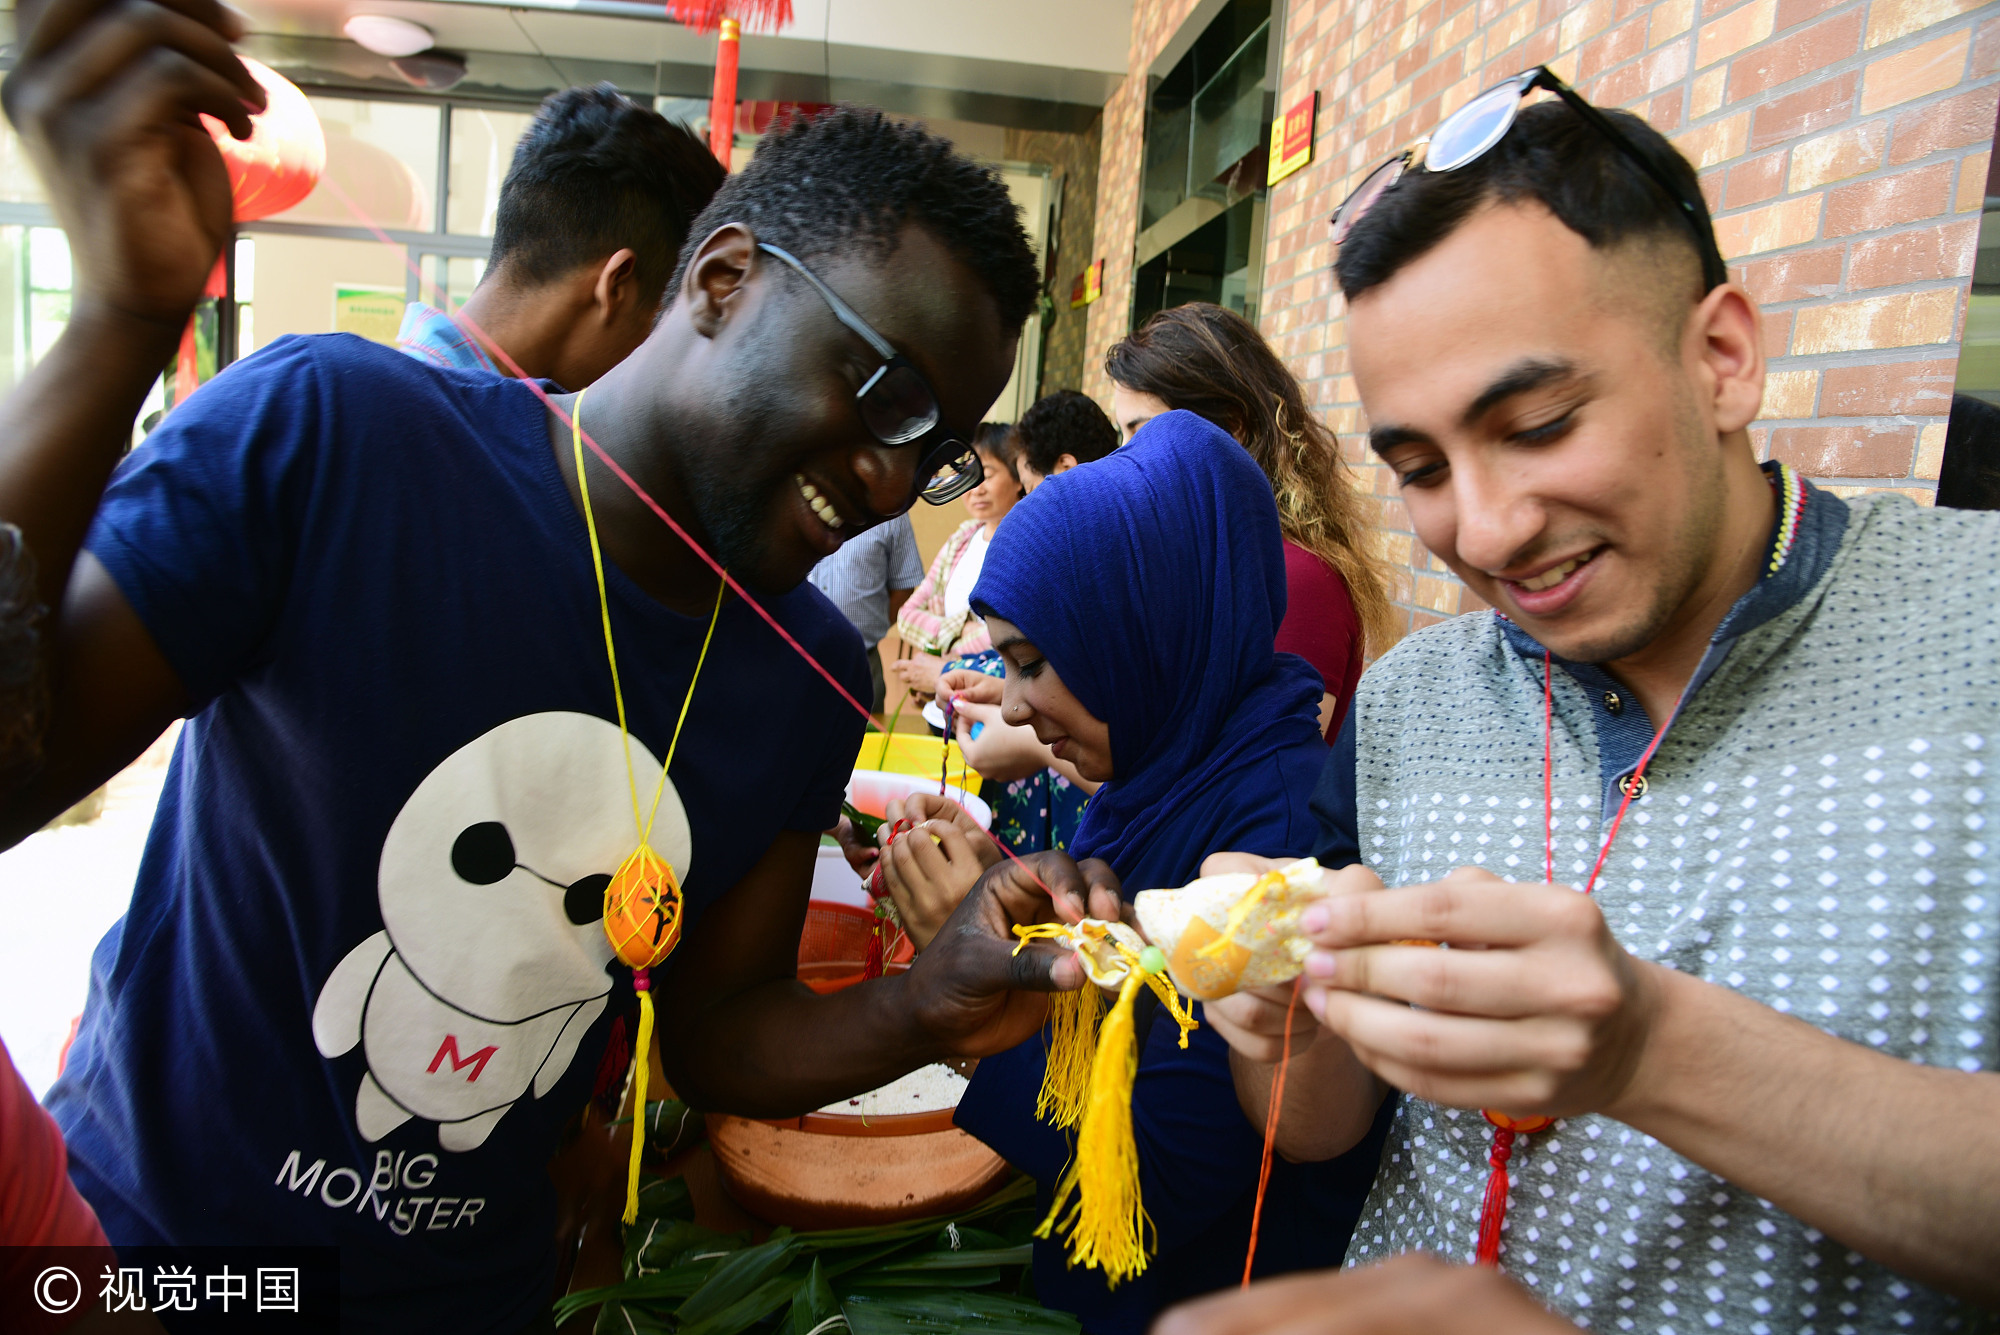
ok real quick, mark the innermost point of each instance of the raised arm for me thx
(107, 99)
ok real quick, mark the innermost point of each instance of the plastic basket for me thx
(834, 946)
(916, 753)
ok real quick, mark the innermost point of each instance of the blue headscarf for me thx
(1153, 581)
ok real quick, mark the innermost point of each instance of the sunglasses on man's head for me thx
(1471, 131)
(897, 405)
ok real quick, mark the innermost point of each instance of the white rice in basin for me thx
(926, 1089)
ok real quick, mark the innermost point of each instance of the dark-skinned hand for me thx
(107, 96)
(1410, 1295)
(970, 989)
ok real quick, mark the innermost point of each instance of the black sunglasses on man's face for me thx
(897, 405)
(1468, 133)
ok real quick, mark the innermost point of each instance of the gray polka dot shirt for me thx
(1813, 835)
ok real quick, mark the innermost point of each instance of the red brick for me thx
(1755, 181)
(1974, 183)
(1777, 334)
(1791, 13)
(1890, 19)
(1986, 49)
(1663, 113)
(1539, 49)
(1838, 156)
(1437, 78)
(1795, 277)
(1846, 451)
(1711, 192)
(1824, 103)
(1889, 201)
(1956, 122)
(1922, 254)
(1895, 389)
(1738, 30)
(1804, 52)
(1917, 72)
(1620, 44)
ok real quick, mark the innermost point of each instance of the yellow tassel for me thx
(642, 1059)
(1107, 1225)
(1073, 1021)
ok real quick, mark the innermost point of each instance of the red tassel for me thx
(707, 15)
(871, 967)
(1493, 1210)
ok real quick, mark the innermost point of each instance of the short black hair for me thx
(1065, 422)
(998, 439)
(851, 178)
(1550, 156)
(597, 172)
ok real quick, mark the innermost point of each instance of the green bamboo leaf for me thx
(961, 1260)
(737, 1276)
(815, 1311)
(922, 1313)
(618, 1319)
(938, 1279)
(745, 1312)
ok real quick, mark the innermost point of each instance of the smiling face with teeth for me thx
(739, 413)
(1578, 460)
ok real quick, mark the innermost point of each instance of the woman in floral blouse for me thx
(937, 623)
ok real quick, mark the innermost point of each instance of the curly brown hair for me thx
(1214, 363)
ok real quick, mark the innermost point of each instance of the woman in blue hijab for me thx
(1135, 601)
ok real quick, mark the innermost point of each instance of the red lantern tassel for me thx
(1493, 1210)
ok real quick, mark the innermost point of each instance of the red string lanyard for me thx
(467, 324)
(1506, 1127)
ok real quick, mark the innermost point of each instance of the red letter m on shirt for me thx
(448, 1050)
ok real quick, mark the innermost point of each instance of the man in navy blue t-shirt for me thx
(364, 980)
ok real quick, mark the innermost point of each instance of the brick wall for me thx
(1073, 161)
(1843, 146)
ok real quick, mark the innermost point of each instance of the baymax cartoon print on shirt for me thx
(490, 966)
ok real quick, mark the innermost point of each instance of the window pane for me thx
(18, 182)
(317, 285)
(384, 155)
(482, 146)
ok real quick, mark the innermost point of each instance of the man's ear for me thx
(616, 290)
(1064, 462)
(716, 277)
(1731, 355)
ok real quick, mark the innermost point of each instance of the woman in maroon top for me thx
(1214, 363)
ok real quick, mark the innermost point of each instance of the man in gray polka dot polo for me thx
(1752, 718)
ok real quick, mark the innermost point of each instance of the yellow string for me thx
(643, 825)
(642, 1053)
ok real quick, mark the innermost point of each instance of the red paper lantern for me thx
(283, 159)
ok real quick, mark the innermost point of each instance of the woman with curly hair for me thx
(1213, 363)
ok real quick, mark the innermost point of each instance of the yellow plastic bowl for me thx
(919, 754)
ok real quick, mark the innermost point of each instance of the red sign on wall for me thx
(1292, 138)
(1089, 286)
